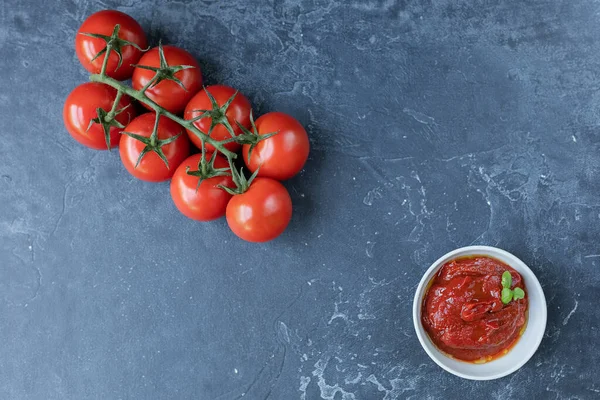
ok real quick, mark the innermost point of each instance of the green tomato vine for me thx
(153, 144)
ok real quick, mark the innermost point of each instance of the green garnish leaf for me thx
(506, 281)
(507, 295)
(518, 293)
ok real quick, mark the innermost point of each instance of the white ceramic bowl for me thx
(525, 347)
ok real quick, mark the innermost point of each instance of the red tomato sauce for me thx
(463, 312)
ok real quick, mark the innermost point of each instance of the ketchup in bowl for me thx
(463, 312)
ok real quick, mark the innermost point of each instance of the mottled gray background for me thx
(433, 125)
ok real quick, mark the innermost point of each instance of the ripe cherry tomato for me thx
(103, 23)
(262, 212)
(280, 156)
(205, 202)
(81, 107)
(167, 93)
(238, 110)
(152, 168)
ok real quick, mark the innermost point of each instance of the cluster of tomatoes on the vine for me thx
(155, 146)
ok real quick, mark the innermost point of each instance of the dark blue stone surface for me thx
(434, 125)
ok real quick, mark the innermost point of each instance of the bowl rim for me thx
(490, 251)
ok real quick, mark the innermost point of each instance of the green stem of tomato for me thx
(113, 110)
(141, 97)
(230, 140)
(106, 57)
(117, 100)
(203, 156)
(154, 135)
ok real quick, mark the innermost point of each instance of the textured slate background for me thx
(434, 125)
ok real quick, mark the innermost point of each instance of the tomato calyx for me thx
(108, 119)
(251, 138)
(165, 72)
(153, 143)
(239, 179)
(217, 115)
(207, 170)
(113, 43)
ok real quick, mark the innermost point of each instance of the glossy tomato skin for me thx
(168, 94)
(206, 203)
(152, 168)
(103, 22)
(283, 155)
(238, 110)
(262, 212)
(81, 107)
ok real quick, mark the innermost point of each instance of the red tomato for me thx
(205, 202)
(103, 23)
(283, 155)
(80, 108)
(262, 212)
(167, 93)
(238, 110)
(152, 168)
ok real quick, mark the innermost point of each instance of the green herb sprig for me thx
(509, 294)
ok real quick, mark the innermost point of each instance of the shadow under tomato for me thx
(305, 190)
